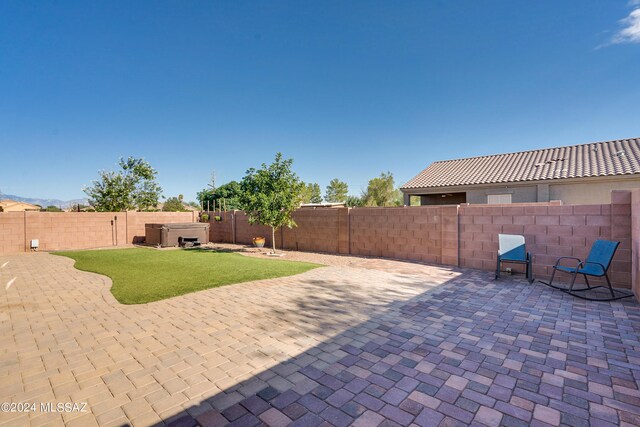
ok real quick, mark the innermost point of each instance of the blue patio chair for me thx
(596, 265)
(512, 250)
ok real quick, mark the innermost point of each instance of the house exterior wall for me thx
(569, 191)
(437, 199)
(589, 192)
(13, 206)
(519, 194)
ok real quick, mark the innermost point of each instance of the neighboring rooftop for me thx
(324, 205)
(609, 158)
(9, 205)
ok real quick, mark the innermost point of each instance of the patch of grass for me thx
(145, 275)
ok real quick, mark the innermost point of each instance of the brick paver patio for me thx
(390, 344)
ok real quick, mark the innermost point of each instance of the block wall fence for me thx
(635, 242)
(464, 235)
(79, 230)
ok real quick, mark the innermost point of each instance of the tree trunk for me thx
(273, 238)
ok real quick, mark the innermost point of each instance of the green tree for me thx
(227, 196)
(381, 191)
(414, 201)
(146, 195)
(132, 187)
(51, 208)
(173, 204)
(354, 201)
(316, 195)
(311, 193)
(271, 194)
(337, 191)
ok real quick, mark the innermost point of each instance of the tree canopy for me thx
(227, 196)
(381, 191)
(173, 204)
(337, 191)
(134, 186)
(270, 195)
(311, 193)
(354, 201)
(52, 208)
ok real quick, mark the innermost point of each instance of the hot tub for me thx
(177, 234)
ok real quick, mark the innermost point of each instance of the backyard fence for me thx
(465, 235)
(79, 230)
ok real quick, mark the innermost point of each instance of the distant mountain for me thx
(44, 202)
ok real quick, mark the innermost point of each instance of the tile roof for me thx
(8, 203)
(619, 157)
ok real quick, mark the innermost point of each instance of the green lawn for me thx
(144, 275)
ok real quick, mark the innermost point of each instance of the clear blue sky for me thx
(347, 88)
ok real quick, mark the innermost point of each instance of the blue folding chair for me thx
(596, 265)
(512, 250)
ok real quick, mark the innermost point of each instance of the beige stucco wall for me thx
(575, 191)
(589, 192)
(519, 194)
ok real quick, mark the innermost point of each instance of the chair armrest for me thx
(583, 263)
(567, 257)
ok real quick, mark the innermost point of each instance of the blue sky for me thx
(347, 88)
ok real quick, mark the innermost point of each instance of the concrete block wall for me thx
(245, 232)
(621, 231)
(78, 230)
(413, 233)
(318, 230)
(12, 232)
(450, 227)
(221, 231)
(424, 233)
(550, 232)
(465, 235)
(635, 241)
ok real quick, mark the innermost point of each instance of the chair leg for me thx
(613, 295)
(586, 279)
(497, 268)
(573, 281)
(553, 274)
